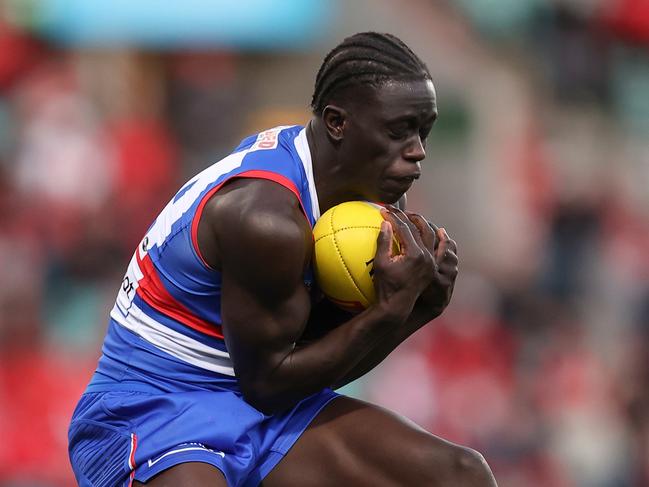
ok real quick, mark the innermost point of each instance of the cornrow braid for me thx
(366, 58)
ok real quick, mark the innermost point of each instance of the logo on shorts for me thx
(185, 447)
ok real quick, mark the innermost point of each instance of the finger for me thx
(384, 242)
(448, 267)
(427, 234)
(435, 229)
(414, 230)
(407, 242)
(444, 242)
(449, 260)
(452, 244)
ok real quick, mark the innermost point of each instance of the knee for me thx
(468, 467)
(471, 464)
(458, 465)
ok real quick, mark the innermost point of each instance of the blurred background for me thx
(538, 167)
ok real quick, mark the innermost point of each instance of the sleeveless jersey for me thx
(170, 297)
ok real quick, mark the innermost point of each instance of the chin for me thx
(386, 196)
(389, 199)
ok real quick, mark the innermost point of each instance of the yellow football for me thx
(345, 245)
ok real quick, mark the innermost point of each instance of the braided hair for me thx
(369, 58)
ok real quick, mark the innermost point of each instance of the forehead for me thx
(394, 99)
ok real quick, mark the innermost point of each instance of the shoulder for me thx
(261, 205)
(270, 139)
(258, 223)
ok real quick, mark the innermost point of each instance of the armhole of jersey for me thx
(252, 174)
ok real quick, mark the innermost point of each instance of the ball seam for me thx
(340, 256)
(333, 232)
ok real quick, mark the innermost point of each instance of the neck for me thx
(327, 170)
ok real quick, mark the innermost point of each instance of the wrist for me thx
(428, 308)
(396, 309)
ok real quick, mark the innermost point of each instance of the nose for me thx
(414, 150)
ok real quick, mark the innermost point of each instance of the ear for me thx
(335, 119)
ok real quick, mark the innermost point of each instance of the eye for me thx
(424, 131)
(398, 134)
(399, 131)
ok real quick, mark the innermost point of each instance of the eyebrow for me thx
(413, 116)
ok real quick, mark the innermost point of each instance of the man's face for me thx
(385, 138)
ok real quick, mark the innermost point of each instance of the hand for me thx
(400, 279)
(437, 295)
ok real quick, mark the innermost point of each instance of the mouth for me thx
(408, 173)
(401, 184)
(406, 180)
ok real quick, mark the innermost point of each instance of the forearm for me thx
(265, 306)
(324, 362)
(419, 318)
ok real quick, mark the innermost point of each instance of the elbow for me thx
(264, 399)
(261, 403)
(267, 408)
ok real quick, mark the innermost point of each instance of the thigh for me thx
(352, 442)
(187, 475)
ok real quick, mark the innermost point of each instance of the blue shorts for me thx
(131, 425)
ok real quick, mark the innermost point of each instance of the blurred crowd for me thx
(543, 367)
(546, 369)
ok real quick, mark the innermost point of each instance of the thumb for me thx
(384, 241)
(443, 239)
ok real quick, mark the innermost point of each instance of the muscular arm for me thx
(429, 306)
(415, 321)
(262, 246)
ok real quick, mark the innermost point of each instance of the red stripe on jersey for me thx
(258, 174)
(152, 291)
